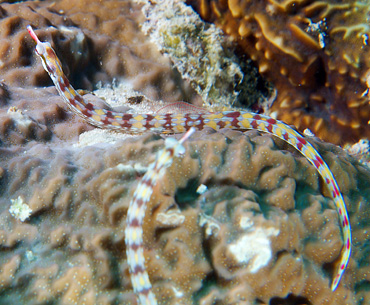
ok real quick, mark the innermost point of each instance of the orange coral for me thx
(316, 53)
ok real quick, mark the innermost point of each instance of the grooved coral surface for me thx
(97, 41)
(264, 230)
(316, 53)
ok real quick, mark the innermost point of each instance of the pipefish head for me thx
(48, 57)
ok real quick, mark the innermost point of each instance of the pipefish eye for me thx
(40, 49)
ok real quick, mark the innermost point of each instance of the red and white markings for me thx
(182, 121)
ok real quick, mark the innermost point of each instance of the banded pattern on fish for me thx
(181, 122)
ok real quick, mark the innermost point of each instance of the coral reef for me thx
(71, 249)
(259, 189)
(361, 151)
(202, 54)
(177, 123)
(316, 53)
(98, 41)
(229, 189)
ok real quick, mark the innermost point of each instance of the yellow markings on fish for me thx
(96, 117)
(99, 111)
(139, 118)
(247, 115)
(137, 125)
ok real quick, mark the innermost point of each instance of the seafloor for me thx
(261, 229)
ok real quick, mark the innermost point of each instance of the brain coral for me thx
(316, 53)
(97, 41)
(264, 230)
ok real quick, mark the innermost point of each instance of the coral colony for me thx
(179, 123)
(316, 54)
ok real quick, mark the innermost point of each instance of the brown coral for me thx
(71, 250)
(259, 191)
(96, 41)
(262, 230)
(316, 53)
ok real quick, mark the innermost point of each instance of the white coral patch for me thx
(178, 293)
(254, 248)
(128, 168)
(19, 118)
(19, 209)
(100, 136)
(210, 224)
(246, 223)
(170, 218)
(308, 132)
(201, 189)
